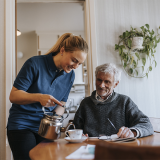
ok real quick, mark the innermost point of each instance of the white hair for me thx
(109, 68)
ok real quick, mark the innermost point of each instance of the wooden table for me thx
(59, 149)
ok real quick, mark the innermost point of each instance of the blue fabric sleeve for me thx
(67, 93)
(25, 77)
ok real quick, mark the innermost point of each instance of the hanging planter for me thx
(136, 50)
(137, 43)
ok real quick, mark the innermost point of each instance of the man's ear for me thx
(115, 85)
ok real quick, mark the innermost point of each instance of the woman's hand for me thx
(21, 97)
(48, 100)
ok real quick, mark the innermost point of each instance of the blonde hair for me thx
(70, 43)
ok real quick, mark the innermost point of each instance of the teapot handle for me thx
(66, 116)
(71, 123)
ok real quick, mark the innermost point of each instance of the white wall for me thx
(2, 80)
(27, 44)
(113, 17)
(50, 17)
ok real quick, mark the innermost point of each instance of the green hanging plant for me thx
(133, 58)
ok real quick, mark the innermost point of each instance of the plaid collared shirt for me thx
(98, 97)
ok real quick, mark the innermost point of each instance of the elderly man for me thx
(106, 112)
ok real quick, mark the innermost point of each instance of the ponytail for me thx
(70, 43)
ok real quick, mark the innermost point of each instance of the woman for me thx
(42, 81)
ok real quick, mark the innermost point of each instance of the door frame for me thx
(10, 41)
(10, 50)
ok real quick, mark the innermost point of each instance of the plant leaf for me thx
(132, 59)
(137, 55)
(134, 62)
(155, 63)
(116, 46)
(124, 65)
(144, 61)
(122, 46)
(147, 75)
(150, 68)
(137, 72)
(120, 51)
(129, 43)
(147, 25)
(127, 57)
(155, 45)
(131, 70)
(142, 68)
(126, 34)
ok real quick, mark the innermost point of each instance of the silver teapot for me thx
(50, 126)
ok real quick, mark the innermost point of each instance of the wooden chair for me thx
(155, 123)
(116, 151)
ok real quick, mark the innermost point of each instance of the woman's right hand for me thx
(48, 100)
(21, 97)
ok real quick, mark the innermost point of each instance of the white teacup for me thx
(75, 133)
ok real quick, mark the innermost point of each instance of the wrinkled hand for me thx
(86, 136)
(48, 100)
(125, 132)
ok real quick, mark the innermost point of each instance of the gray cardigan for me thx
(92, 116)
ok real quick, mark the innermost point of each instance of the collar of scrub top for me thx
(52, 65)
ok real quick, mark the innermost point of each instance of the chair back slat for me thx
(155, 123)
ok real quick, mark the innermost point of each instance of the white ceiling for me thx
(50, 17)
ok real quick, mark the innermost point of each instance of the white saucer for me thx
(76, 140)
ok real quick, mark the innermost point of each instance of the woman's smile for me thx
(71, 60)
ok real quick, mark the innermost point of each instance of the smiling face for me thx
(71, 60)
(105, 84)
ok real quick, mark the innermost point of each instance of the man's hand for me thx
(125, 132)
(86, 136)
